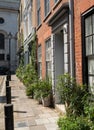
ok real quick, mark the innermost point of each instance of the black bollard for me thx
(8, 77)
(8, 94)
(7, 83)
(9, 120)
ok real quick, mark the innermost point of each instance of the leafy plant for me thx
(30, 89)
(89, 111)
(38, 90)
(71, 123)
(79, 108)
(20, 71)
(43, 92)
(46, 87)
(30, 75)
(72, 95)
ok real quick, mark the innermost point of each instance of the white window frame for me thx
(40, 61)
(48, 57)
(47, 7)
(88, 48)
(38, 13)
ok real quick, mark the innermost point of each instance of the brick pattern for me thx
(44, 31)
(79, 8)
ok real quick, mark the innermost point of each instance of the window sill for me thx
(38, 26)
(47, 16)
(56, 4)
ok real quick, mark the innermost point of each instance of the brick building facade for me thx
(84, 41)
(49, 32)
(27, 23)
(64, 30)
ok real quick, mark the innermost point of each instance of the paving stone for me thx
(53, 119)
(44, 115)
(28, 114)
(40, 127)
(21, 124)
(42, 121)
(51, 126)
(25, 128)
(32, 122)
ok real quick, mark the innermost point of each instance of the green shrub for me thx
(67, 124)
(89, 111)
(43, 88)
(79, 108)
(71, 123)
(37, 92)
(30, 89)
(72, 94)
(30, 75)
(19, 72)
(46, 87)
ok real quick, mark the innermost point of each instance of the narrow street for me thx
(2, 101)
(28, 114)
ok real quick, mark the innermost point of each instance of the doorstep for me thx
(60, 108)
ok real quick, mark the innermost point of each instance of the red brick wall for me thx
(80, 6)
(44, 31)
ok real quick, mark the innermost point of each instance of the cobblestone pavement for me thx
(1, 81)
(28, 114)
(2, 101)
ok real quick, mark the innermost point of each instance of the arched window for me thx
(2, 41)
(1, 20)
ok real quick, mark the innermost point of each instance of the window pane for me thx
(1, 57)
(48, 43)
(91, 84)
(39, 69)
(38, 17)
(39, 54)
(38, 4)
(48, 57)
(91, 66)
(1, 41)
(66, 68)
(93, 44)
(88, 26)
(89, 45)
(38, 12)
(48, 50)
(48, 69)
(93, 23)
(56, 1)
(47, 7)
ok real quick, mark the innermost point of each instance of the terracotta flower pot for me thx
(46, 101)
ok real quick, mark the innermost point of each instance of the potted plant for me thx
(72, 94)
(46, 92)
(37, 92)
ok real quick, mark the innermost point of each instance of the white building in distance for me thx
(8, 32)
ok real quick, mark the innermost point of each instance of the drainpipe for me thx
(71, 37)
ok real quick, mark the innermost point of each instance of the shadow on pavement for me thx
(13, 97)
(20, 111)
